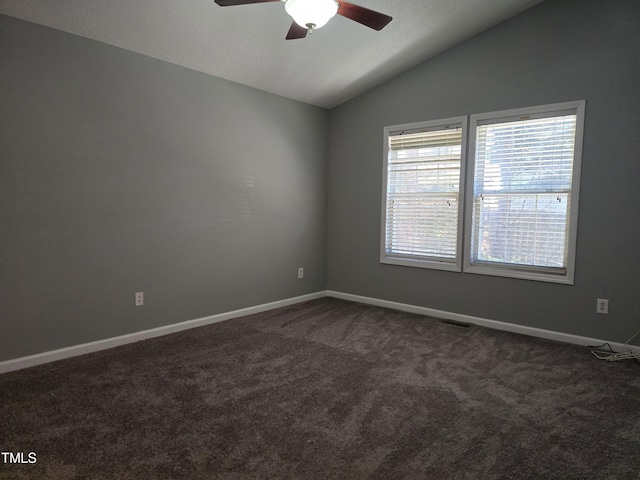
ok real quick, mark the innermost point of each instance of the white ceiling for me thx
(246, 43)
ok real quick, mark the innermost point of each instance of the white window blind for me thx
(422, 219)
(518, 203)
(522, 192)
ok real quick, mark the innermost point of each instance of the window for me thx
(524, 171)
(520, 209)
(422, 210)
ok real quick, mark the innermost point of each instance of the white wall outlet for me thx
(139, 299)
(301, 272)
(603, 306)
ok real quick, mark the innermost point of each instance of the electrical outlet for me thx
(603, 306)
(139, 299)
(301, 272)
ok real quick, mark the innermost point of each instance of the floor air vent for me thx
(455, 323)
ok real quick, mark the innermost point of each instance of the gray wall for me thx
(120, 173)
(557, 51)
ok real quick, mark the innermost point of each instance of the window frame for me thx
(419, 261)
(463, 261)
(514, 270)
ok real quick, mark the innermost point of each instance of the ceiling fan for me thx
(309, 15)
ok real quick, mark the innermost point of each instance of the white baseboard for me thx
(46, 357)
(483, 322)
(75, 350)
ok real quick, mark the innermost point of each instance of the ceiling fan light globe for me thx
(315, 13)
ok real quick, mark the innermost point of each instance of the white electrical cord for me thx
(616, 357)
(623, 354)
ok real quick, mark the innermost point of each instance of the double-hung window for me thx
(517, 206)
(522, 210)
(422, 198)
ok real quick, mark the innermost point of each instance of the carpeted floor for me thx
(326, 390)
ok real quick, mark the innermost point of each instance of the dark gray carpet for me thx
(322, 390)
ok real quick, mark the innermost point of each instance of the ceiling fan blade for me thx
(296, 31)
(369, 18)
(231, 3)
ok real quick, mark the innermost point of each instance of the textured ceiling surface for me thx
(246, 43)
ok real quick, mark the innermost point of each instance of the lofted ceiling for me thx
(246, 44)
